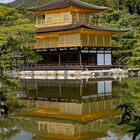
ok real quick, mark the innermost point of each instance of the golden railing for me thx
(74, 19)
(56, 44)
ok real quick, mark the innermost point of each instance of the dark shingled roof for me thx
(65, 3)
(76, 26)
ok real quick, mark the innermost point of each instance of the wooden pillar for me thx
(89, 109)
(59, 58)
(77, 17)
(25, 60)
(60, 89)
(80, 57)
(81, 88)
(36, 89)
(28, 105)
(37, 21)
(88, 56)
(37, 105)
(39, 126)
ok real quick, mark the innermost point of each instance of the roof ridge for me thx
(64, 3)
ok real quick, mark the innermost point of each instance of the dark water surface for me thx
(71, 110)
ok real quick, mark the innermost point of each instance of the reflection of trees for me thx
(129, 117)
(7, 129)
(128, 112)
(26, 125)
(136, 130)
(8, 133)
(11, 127)
(128, 90)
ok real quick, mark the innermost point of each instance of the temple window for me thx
(66, 17)
(69, 39)
(49, 19)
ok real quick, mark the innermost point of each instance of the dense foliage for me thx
(128, 52)
(19, 28)
(16, 37)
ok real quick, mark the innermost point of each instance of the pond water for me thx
(71, 110)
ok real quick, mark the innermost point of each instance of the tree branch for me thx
(4, 47)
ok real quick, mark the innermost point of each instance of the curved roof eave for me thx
(76, 26)
(58, 4)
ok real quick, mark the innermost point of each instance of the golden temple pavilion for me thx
(68, 32)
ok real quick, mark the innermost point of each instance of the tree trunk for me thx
(130, 9)
(138, 9)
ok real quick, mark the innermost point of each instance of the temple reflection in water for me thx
(65, 90)
(69, 107)
(67, 130)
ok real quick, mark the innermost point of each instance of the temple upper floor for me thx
(65, 12)
(66, 18)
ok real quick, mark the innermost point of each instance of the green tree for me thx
(18, 27)
(16, 36)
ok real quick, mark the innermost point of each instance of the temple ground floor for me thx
(74, 55)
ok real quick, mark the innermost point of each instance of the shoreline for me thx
(72, 74)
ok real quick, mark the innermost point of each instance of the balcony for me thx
(57, 44)
(59, 22)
